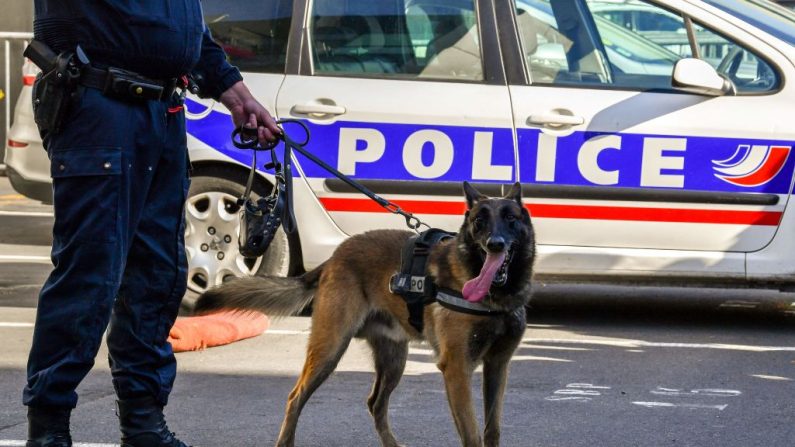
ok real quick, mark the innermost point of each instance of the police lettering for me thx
(431, 154)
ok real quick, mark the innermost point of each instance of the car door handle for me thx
(318, 110)
(552, 119)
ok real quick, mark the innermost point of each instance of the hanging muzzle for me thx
(259, 222)
(260, 219)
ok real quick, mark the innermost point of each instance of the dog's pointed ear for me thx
(472, 195)
(515, 193)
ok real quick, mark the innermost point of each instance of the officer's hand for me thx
(247, 110)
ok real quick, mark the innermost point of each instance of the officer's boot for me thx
(143, 425)
(48, 427)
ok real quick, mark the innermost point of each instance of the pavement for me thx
(598, 366)
(600, 379)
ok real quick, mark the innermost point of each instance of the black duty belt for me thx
(126, 85)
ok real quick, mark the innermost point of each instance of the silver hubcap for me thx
(211, 230)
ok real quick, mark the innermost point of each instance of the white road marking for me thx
(568, 398)
(26, 214)
(535, 343)
(605, 342)
(577, 392)
(25, 259)
(285, 332)
(25, 253)
(15, 443)
(587, 385)
(688, 406)
(697, 392)
(14, 324)
(539, 359)
(422, 351)
(765, 376)
(649, 344)
(555, 348)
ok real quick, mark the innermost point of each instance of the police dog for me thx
(490, 260)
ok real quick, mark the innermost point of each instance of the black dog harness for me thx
(418, 289)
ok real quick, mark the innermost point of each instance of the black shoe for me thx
(143, 425)
(48, 427)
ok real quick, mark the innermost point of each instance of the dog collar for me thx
(455, 301)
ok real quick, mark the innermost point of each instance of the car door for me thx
(630, 175)
(406, 96)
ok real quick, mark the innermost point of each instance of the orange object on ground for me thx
(206, 331)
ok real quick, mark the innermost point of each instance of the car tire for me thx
(211, 234)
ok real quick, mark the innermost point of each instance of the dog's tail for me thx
(273, 295)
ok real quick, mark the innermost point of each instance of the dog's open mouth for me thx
(493, 272)
(502, 274)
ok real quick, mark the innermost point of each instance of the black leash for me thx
(261, 219)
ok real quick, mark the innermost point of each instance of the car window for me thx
(396, 39)
(253, 33)
(554, 54)
(638, 42)
(749, 72)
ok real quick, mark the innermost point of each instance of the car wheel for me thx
(212, 225)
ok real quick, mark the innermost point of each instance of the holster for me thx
(55, 88)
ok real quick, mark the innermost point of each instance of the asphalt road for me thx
(597, 367)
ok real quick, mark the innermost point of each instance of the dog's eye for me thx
(510, 218)
(478, 223)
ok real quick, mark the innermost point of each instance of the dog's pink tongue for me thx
(476, 288)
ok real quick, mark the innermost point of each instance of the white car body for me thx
(636, 198)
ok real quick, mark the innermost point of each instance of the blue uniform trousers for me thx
(120, 180)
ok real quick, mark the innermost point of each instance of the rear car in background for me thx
(27, 166)
(653, 149)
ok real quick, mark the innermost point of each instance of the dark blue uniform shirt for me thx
(156, 38)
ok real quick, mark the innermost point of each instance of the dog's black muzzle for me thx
(258, 223)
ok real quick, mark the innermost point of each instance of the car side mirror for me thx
(699, 77)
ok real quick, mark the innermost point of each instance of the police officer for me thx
(120, 179)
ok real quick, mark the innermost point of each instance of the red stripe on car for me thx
(586, 212)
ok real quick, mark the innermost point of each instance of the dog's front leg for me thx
(496, 362)
(495, 378)
(457, 371)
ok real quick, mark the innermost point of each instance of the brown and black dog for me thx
(490, 260)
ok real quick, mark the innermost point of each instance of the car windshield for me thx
(763, 14)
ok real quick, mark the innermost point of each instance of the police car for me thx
(637, 162)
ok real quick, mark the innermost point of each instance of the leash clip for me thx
(412, 221)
